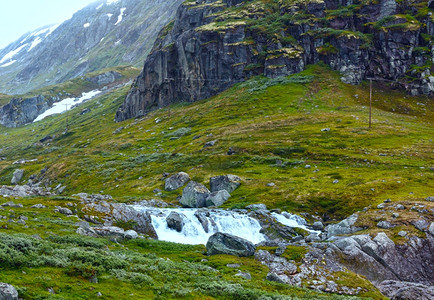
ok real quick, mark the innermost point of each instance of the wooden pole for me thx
(370, 103)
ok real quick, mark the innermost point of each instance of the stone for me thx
(46, 139)
(65, 211)
(431, 228)
(224, 243)
(210, 144)
(176, 181)
(430, 198)
(226, 182)
(397, 290)
(384, 225)
(259, 206)
(344, 227)
(8, 292)
(400, 207)
(217, 198)
(175, 221)
(381, 206)
(318, 226)
(233, 266)
(274, 277)
(17, 176)
(245, 275)
(421, 224)
(271, 184)
(202, 217)
(194, 195)
(131, 235)
(335, 181)
(402, 233)
(325, 129)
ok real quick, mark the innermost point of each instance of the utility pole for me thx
(66, 109)
(370, 102)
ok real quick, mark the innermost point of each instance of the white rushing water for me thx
(219, 220)
(193, 232)
(66, 104)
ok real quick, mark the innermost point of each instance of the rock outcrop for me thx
(212, 45)
(8, 292)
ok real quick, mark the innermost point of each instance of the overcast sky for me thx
(18, 17)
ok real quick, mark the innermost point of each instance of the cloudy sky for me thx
(18, 17)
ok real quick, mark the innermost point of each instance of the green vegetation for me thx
(273, 125)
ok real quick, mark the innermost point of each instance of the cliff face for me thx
(213, 44)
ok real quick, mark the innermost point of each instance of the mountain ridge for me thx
(103, 34)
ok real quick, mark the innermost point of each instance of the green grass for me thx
(265, 121)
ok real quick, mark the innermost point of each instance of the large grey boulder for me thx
(194, 195)
(344, 227)
(111, 232)
(217, 198)
(176, 181)
(226, 182)
(175, 221)
(397, 290)
(224, 243)
(17, 176)
(8, 292)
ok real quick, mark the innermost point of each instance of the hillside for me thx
(103, 34)
(274, 130)
(212, 45)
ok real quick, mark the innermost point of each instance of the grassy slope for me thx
(282, 122)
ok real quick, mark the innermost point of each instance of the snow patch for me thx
(121, 15)
(8, 64)
(12, 53)
(101, 5)
(66, 104)
(110, 2)
(86, 25)
(118, 42)
(51, 29)
(109, 16)
(35, 43)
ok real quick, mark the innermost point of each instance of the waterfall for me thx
(193, 232)
(200, 224)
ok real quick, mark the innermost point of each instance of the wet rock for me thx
(318, 226)
(110, 213)
(226, 182)
(175, 221)
(217, 198)
(17, 176)
(8, 292)
(223, 243)
(176, 181)
(202, 217)
(194, 195)
(397, 290)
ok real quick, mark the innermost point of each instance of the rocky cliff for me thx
(103, 34)
(213, 44)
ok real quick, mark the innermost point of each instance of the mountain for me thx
(104, 34)
(213, 44)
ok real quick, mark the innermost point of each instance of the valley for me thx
(211, 174)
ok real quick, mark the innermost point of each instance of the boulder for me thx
(397, 290)
(176, 181)
(224, 243)
(318, 225)
(226, 182)
(111, 232)
(344, 227)
(8, 292)
(194, 195)
(17, 176)
(65, 211)
(175, 221)
(217, 198)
